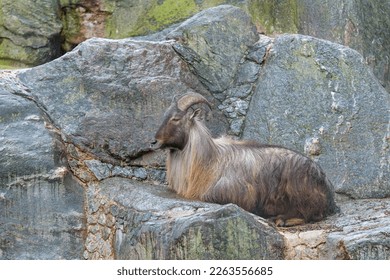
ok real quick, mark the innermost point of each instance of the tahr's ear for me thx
(195, 113)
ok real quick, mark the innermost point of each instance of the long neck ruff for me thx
(190, 171)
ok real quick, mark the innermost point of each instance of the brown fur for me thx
(270, 181)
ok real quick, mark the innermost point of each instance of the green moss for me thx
(1, 14)
(170, 11)
(196, 246)
(6, 47)
(237, 240)
(162, 15)
(72, 26)
(129, 19)
(12, 56)
(11, 117)
(69, 2)
(153, 16)
(273, 16)
(11, 64)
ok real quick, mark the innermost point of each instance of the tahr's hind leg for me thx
(282, 221)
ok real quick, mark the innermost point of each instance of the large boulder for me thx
(321, 98)
(42, 205)
(136, 83)
(214, 51)
(23, 135)
(107, 97)
(131, 220)
(360, 25)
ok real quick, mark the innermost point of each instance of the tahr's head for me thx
(178, 120)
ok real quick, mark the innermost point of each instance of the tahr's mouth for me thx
(155, 145)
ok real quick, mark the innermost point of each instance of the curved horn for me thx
(190, 99)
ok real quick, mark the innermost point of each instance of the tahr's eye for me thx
(175, 119)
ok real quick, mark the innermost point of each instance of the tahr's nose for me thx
(154, 145)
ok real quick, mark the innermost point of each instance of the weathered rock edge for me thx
(133, 220)
(361, 231)
(151, 222)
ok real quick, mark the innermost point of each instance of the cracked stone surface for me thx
(175, 228)
(75, 145)
(360, 231)
(319, 98)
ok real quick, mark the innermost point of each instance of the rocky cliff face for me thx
(75, 143)
(34, 32)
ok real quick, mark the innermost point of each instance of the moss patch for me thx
(153, 16)
(170, 11)
(272, 16)
(12, 56)
(72, 27)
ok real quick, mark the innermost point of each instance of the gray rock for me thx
(160, 225)
(122, 172)
(364, 237)
(30, 32)
(23, 135)
(310, 88)
(35, 32)
(258, 51)
(103, 170)
(360, 232)
(175, 228)
(248, 72)
(100, 170)
(42, 207)
(240, 91)
(140, 173)
(96, 109)
(115, 114)
(42, 220)
(360, 25)
(213, 42)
